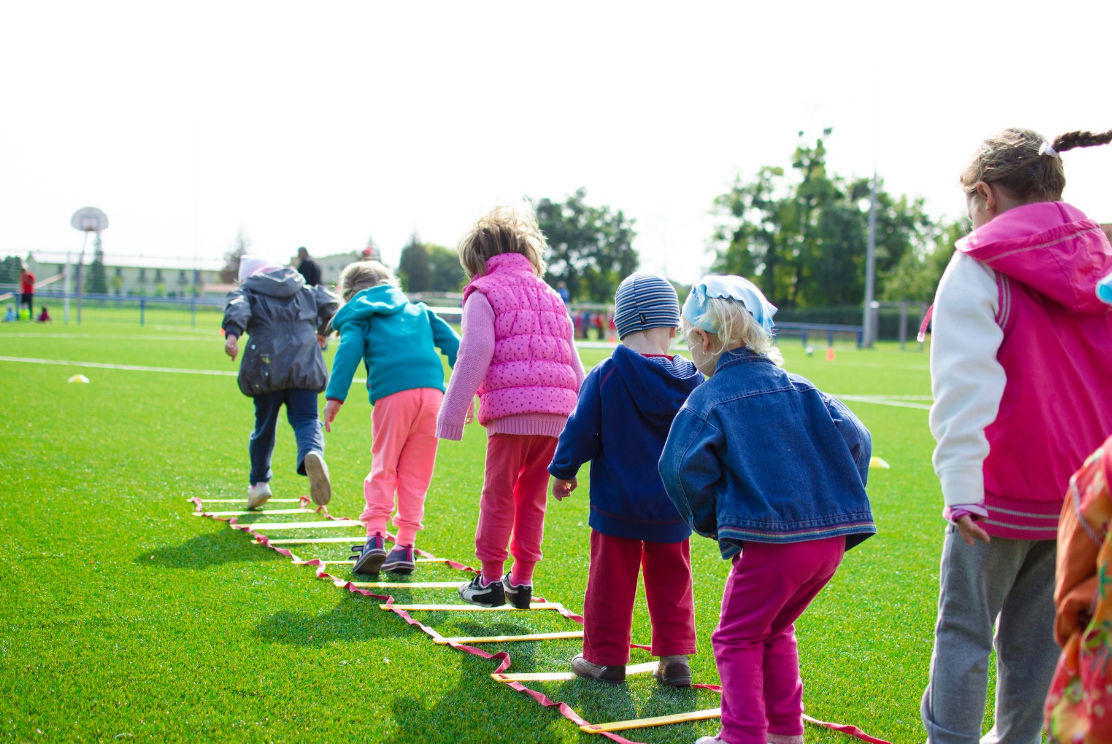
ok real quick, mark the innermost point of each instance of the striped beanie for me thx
(645, 301)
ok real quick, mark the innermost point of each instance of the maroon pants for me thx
(612, 589)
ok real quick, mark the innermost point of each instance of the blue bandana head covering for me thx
(731, 287)
(1104, 289)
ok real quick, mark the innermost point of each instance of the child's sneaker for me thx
(710, 740)
(371, 556)
(400, 560)
(320, 488)
(674, 671)
(614, 675)
(257, 495)
(484, 595)
(520, 596)
(783, 739)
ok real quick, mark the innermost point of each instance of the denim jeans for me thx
(301, 412)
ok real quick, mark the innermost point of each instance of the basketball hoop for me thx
(89, 219)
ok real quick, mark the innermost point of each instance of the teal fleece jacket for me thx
(395, 340)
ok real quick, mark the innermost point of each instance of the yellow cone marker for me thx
(877, 462)
(79, 378)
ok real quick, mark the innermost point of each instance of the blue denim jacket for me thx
(759, 454)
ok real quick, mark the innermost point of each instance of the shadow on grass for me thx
(355, 618)
(212, 549)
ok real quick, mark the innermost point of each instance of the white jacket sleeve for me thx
(966, 378)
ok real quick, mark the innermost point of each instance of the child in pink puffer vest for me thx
(518, 354)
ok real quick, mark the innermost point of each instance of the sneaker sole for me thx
(320, 488)
(405, 569)
(675, 682)
(370, 564)
(255, 503)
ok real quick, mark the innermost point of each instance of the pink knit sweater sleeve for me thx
(476, 349)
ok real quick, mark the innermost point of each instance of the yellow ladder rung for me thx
(244, 501)
(512, 638)
(697, 715)
(245, 513)
(645, 668)
(405, 585)
(307, 525)
(317, 540)
(468, 607)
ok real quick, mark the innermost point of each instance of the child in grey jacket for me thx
(282, 364)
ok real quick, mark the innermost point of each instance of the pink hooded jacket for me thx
(1057, 352)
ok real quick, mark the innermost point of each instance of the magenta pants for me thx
(612, 589)
(754, 645)
(403, 451)
(511, 511)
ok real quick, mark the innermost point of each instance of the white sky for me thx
(319, 124)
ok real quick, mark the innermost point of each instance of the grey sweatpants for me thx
(1012, 580)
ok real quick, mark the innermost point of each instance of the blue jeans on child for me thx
(301, 412)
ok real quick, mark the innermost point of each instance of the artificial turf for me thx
(128, 618)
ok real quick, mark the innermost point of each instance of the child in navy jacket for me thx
(620, 424)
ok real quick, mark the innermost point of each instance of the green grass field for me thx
(127, 618)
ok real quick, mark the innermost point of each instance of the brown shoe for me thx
(674, 671)
(614, 675)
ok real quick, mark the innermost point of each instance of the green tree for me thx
(413, 266)
(917, 274)
(230, 273)
(590, 248)
(9, 270)
(97, 283)
(801, 234)
(445, 272)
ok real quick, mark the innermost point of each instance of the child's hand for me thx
(969, 530)
(470, 415)
(331, 408)
(322, 341)
(561, 489)
(231, 346)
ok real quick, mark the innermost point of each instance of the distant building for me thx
(150, 276)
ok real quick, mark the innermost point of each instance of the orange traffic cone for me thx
(830, 353)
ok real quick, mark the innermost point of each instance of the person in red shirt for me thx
(26, 292)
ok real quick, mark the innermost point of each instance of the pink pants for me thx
(403, 451)
(515, 495)
(612, 589)
(754, 645)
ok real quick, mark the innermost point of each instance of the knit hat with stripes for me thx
(645, 301)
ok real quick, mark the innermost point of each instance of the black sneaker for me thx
(491, 595)
(519, 596)
(371, 555)
(400, 560)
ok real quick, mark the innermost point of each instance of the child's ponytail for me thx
(1071, 140)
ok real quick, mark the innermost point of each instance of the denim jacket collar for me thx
(740, 356)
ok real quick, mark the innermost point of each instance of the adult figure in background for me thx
(26, 292)
(308, 268)
(562, 290)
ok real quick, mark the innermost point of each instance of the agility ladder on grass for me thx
(461, 643)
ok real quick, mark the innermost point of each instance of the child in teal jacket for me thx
(396, 340)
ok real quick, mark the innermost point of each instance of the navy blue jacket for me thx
(760, 454)
(625, 408)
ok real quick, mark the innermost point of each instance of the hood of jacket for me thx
(384, 299)
(283, 282)
(1051, 247)
(653, 385)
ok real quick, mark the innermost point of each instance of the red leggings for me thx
(612, 588)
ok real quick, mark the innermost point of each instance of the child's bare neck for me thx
(652, 341)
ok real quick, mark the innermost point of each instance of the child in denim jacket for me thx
(775, 470)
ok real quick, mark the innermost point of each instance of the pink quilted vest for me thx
(531, 371)
(1056, 355)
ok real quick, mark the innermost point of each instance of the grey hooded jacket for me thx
(282, 316)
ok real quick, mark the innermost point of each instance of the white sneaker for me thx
(257, 495)
(320, 488)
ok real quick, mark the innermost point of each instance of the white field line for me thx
(115, 336)
(884, 402)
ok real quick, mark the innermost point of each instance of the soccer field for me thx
(126, 617)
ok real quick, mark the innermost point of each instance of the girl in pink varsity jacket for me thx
(516, 352)
(1019, 362)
